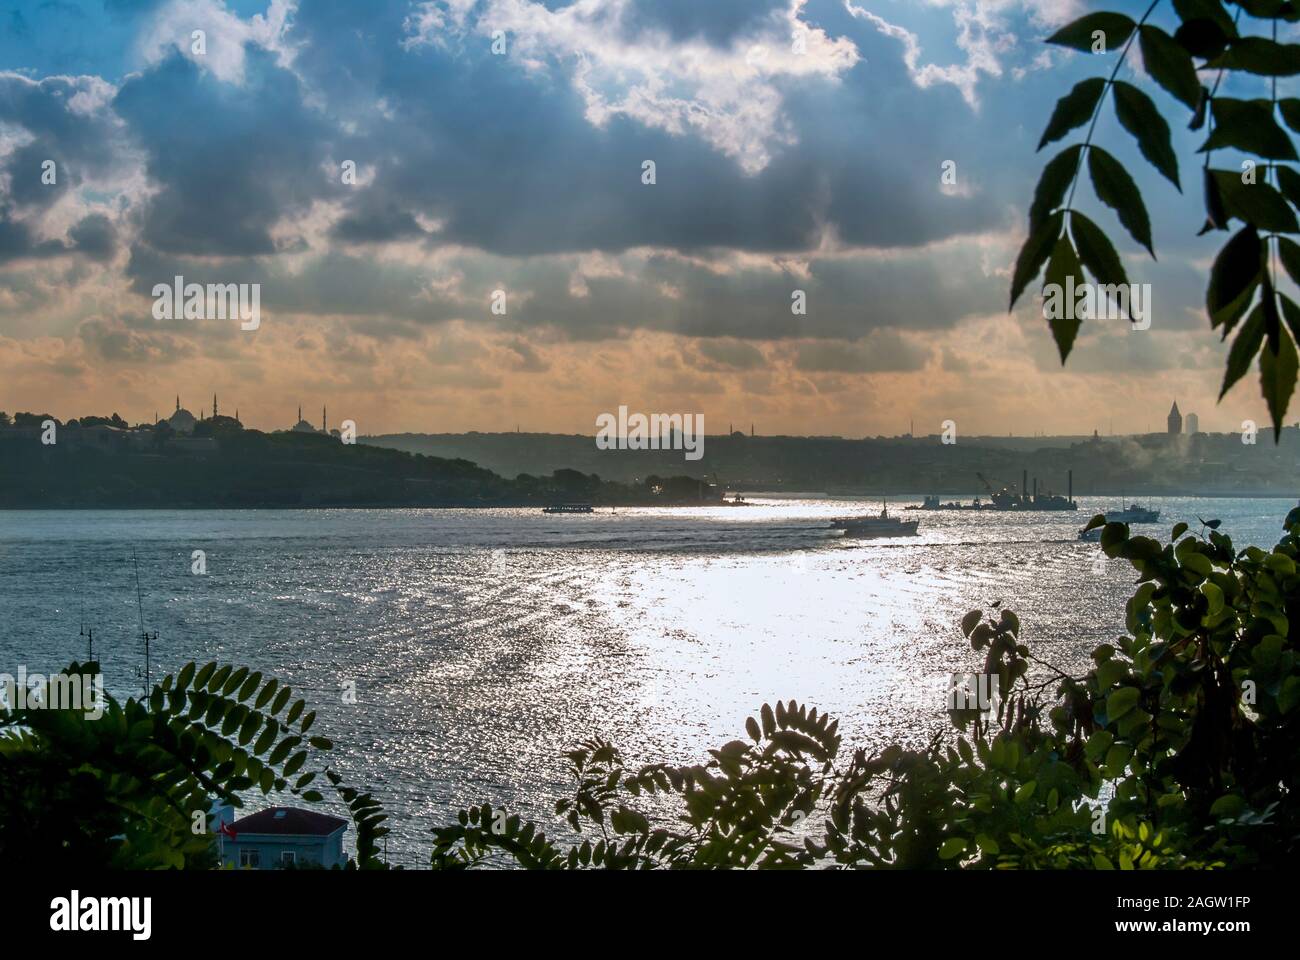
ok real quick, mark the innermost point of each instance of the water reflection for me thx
(483, 644)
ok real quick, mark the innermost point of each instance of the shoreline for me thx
(600, 508)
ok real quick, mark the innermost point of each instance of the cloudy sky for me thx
(797, 145)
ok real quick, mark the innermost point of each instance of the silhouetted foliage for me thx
(1243, 293)
(126, 789)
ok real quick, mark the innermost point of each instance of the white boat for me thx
(1133, 513)
(870, 528)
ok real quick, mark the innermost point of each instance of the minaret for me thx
(214, 406)
(178, 403)
(300, 413)
(324, 423)
(751, 430)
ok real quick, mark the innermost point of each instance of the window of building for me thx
(288, 858)
(250, 858)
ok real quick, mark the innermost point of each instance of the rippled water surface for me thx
(485, 643)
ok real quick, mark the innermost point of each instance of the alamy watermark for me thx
(973, 691)
(82, 692)
(1098, 301)
(658, 431)
(75, 913)
(179, 300)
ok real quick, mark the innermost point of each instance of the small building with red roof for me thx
(283, 837)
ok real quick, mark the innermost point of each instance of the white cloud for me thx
(730, 97)
(224, 35)
(982, 34)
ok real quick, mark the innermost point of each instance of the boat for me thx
(568, 508)
(1133, 513)
(932, 502)
(1008, 498)
(871, 528)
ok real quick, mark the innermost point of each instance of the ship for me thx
(932, 502)
(1010, 499)
(872, 528)
(1133, 513)
(568, 508)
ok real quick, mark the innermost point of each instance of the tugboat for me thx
(871, 528)
(1133, 513)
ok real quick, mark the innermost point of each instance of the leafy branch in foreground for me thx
(1178, 748)
(132, 788)
(1244, 280)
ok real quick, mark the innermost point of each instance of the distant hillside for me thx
(107, 466)
(1151, 464)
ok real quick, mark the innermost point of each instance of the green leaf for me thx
(1138, 115)
(1244, 347)
(970, 622)
(1055, 180)
(1248, 125)
(1256, 203)
(1116, 189)
(1277, 379)
(1096, 251)
(1117, 757)
(1233, 278)
(201, 678)
(1211, 10)
(1292, 314)
(1288, 181)
(1064, 323)
(1260, 56)
(1074, 109)
(1290, 108)
(952, 847)
(1115, 28)
(266, 693)
(1121, 702)
(1216, 215)
(1038, 247)
(1201, 37)
(1169, 64)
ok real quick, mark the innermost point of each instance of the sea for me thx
(454, 656)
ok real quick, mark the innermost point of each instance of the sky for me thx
(501, 145)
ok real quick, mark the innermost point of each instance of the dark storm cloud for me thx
(229, 161)
(508, 159)
(92, 236)
(724, 354)
(717, 21)
(58, 114)
(883, 352)
(507, 162)
(124, 340)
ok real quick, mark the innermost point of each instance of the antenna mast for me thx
(144, 634)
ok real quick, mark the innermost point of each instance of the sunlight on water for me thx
(485, 643)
